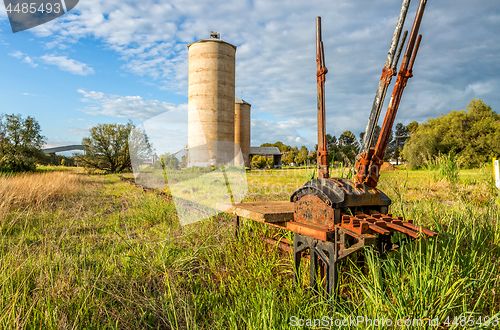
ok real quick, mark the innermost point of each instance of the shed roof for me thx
(264, 151)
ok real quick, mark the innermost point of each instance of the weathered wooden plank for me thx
(271, 211)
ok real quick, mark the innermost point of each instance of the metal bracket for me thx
(360, 240)
(319, 251)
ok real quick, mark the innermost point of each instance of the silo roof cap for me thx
(212, 40)
(240, 101)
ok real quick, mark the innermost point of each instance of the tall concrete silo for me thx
(211, 101)
(242, 128)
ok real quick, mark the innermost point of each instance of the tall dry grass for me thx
(35, 190)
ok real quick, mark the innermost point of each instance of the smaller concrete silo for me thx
(242, 128)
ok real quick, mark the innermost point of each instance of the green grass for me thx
(113, 257)
(52, 168)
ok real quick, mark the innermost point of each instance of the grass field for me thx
(80, 251)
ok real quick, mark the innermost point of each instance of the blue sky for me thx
(108, 61)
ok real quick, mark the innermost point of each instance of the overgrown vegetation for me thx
(445, 167)
(471, 137)
(107, 255)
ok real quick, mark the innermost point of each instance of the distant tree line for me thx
(55, 160)
(290, 155)
(344, 149)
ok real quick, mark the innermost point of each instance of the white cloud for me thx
(275, 60)
(62, 62)
(66, 64)
(34, 95)
(286, 131)
(25, 58)
(30, 61)
(482, 88)
(16, 54)
(133, 107)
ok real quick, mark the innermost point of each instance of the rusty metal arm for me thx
(404, 74)
(385, 80)
(395, 63)
(320, 73)
(368, 164)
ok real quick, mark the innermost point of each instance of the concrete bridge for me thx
(64, 148)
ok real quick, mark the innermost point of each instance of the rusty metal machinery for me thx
(335, 217)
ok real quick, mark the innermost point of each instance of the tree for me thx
(349, 147)
(53, 159)
(20, 143)
(412, 127)
(332, 147)
(289, 157)
(169, 161)
(282, 147)
(347, 139)
(107, 148)
(471, 136)
(376, 133)
(301, 156)
(400, 138)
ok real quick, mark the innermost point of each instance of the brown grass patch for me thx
(35, 190)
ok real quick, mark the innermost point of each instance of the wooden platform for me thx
(268, 212)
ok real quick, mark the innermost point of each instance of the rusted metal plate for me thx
(312, 210)
(269, 212)
(310, 231)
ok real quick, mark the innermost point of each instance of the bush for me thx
(261, 161)
(471, 136)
